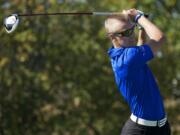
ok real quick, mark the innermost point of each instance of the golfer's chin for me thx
(124, 44)
(130, 42)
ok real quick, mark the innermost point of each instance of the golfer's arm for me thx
(156, 37)
(141, 37)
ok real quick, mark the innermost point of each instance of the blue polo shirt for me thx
(136, 82)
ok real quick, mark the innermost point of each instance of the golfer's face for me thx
(121, 33)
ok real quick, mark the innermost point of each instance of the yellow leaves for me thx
(171, 103)
(17, 2)
(53, 2)
(170, 3)
(39, 8)
(27, 47)
(22, 57)
(23, 52)
(99, 124)
(77, 101)
(43, 79)
(26, 36)
(49, 108)
(49, 111)
(119, 5)
(3, 61)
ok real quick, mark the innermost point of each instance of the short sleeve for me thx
(138, 55)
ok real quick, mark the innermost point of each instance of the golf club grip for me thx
(106, 13)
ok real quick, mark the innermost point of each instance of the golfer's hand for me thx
(131, 13)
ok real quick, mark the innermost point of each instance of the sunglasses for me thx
(125, 33)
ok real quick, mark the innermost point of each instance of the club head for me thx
(11, 22)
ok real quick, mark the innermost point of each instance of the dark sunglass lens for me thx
(128, 33)
(118, 34)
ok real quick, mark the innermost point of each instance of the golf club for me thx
(11, 22)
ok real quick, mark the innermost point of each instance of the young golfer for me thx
(133, 77)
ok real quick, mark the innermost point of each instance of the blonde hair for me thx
(122, 18)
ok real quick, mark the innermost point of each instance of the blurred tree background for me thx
(56, 77)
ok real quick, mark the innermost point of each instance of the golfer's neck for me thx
(124, 45)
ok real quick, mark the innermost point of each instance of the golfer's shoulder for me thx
(136, 54)
(130, 54)
(138, 50)
(132, 51)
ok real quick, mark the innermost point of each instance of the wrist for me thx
(138, 16)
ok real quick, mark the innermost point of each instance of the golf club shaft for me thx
(72, 13)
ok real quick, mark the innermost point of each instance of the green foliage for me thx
(55, 75)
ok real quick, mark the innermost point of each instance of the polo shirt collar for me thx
(113, 52)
